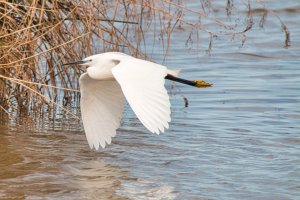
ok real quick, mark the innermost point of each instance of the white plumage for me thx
(111, 77)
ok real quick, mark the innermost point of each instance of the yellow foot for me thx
(201, 83)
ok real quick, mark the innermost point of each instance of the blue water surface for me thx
(239, 139)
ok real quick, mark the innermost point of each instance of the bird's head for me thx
(97, 65)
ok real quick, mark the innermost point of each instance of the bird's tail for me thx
(174, 72)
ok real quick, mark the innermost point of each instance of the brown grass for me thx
(37, 36)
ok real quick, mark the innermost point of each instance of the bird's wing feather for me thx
(142, 83)
(101, 109)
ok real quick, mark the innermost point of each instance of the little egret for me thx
(110, 78)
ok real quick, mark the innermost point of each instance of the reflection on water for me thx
(236, 140)
(55, 165)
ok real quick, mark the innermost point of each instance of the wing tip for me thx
(160, 128)
(96, 144)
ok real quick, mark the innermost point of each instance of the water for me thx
(237, 140)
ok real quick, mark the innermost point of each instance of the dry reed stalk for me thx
(37, 36)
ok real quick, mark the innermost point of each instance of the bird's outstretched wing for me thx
(142, 83)
(101, 109)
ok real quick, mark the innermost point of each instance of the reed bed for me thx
(37, 36)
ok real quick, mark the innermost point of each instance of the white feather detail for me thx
(142, 83)
(101, 109)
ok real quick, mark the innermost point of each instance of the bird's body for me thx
(113, 77)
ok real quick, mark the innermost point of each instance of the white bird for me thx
(110, 78)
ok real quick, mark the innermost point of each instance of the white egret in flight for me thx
(110, 78)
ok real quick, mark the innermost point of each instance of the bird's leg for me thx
(196, 83)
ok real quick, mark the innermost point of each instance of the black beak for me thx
(76, 62)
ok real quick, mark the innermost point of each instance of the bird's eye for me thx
(90, 60)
